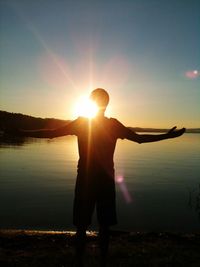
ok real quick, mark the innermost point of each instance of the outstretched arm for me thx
(49, 133)
(146, 138)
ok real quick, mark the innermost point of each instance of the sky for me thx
(145, 53)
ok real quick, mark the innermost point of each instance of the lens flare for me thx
(122, 185)
(192, 74)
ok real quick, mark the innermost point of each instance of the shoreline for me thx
(117, 232)
(56, 248)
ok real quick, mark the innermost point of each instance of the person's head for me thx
(100, 97)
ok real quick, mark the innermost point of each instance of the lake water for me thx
(158, 184)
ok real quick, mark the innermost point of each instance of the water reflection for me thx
(38, 177)
(8, 140)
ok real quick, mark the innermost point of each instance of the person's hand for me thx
(172, 133)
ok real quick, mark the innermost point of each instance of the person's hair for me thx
(100, 96)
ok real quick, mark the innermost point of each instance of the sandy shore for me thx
(55, 249)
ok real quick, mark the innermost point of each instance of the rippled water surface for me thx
(158, 184)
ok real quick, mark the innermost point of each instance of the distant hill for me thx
(11, 121)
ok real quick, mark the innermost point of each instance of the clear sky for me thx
(146, 53)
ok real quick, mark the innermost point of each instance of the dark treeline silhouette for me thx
(11, 121)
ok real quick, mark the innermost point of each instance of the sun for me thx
(85, 107)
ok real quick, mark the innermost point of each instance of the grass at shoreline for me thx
(55, 249)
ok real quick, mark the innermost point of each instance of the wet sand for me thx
(56, 249)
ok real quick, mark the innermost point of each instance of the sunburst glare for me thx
(85, 107)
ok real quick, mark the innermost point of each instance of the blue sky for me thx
(146, 53)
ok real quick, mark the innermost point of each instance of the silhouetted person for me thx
(95, 184)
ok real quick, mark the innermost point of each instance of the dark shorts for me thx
(90, 192)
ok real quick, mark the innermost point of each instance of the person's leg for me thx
(106, 214)
(104, 236)
(80, 245)
(82, 214)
